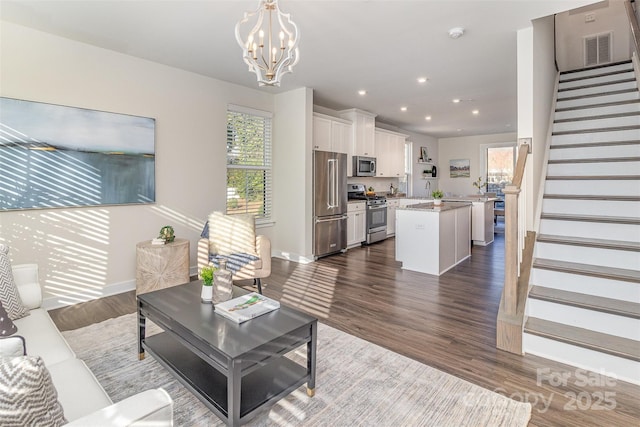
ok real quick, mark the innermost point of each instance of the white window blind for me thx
(249, 162)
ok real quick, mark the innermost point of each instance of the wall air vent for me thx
(597, 49)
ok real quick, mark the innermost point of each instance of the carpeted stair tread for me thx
(593, 243)
(598, 341)
(589, 302)
(612, 273)
(591, 218)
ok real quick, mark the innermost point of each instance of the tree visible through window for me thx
(500, 167)
(248, 162)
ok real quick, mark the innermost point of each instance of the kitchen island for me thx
(481, 217)
(432, 239)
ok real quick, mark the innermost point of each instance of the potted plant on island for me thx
(479, 184)
(437, 197)
(206, 275)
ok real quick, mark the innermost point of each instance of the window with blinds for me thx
(249, 162)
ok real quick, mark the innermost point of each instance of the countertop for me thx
(477, 198)
(430, 207)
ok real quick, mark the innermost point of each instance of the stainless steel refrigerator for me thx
(329, 203)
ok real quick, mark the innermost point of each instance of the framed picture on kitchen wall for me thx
(56, 156)
(424, 156)
(459, 168)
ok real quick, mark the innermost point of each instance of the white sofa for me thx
(83, 399)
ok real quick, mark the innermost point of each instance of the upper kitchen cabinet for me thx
(331, 134)
(363, 131)
(390, 153)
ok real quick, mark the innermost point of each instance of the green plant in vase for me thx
(437, 197)
(206, 274)
(167, 234)
(479, 184)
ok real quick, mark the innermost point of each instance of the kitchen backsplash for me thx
(380, 185)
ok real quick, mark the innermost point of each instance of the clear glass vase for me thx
(222, 284)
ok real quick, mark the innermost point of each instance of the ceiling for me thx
(345, 46)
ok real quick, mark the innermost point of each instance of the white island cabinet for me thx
(481, 217)
(432, 239)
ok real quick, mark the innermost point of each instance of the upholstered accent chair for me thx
(232, 237)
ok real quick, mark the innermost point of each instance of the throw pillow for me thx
(232, 234)
(9, 296)
(7, 327)
(29, 397)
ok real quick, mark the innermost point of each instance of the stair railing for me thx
(510, 314)
(633, 23)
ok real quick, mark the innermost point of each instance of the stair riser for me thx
(591, 230)
(596, 90)
(627, 66)
(615, 97)
(598, 321)
(588, 255)
(596, 168)
(580, 125)
(606, 288)
(596, 152)
(596, 80)
(593, 187)
(590, 207)
(622, 369)
(598, 111)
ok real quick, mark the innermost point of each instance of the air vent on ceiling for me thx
(597, 49)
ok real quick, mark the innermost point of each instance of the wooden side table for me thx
(161, 266)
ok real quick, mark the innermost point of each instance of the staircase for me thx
(584, 301)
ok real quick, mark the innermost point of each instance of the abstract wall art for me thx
(56, 156)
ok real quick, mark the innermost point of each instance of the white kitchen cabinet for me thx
(356, 223)
(482, 232)
(392, 205)
(331, 134)
(363, 132)
(389, 153)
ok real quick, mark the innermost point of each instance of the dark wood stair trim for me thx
(594, 177)
(587, 302)
(599, 117)
(596, 76)
(596, 130)
(596, 144)
(595, 95)
(590, 243)
(611, 273)
(604, 343)
(590, 86)
(601, 105)
(591, 218)
(595, 67)
(604, 197)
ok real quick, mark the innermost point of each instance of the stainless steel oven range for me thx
(376, 212)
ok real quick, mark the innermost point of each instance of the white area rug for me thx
(357, 384)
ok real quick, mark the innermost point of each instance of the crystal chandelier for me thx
(269, 51)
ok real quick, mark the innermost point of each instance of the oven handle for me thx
(372, 208)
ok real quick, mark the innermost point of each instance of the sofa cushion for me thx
(8, 292)
(29, 397)
(43, 338)
(79, 391)
(232, 234)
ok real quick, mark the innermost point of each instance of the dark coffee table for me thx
(235, 369)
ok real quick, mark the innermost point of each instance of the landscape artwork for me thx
(56, 156)
(459, 168)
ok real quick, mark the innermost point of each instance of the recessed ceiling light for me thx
(459, 130)
(475, 112)
(427, 118)
(456, 32)
(362, 92)
(422, 79)
(403, 108)
(455, 101)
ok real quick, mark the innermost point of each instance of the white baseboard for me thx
(292, 257)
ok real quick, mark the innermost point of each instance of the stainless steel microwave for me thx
(364, 166)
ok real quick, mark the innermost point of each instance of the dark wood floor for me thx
(447, 322)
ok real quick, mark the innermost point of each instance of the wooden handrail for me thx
(633, 23)
(511, 311)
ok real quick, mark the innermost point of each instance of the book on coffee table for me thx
(246, 307)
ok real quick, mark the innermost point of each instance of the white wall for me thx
(293, 206)
(465, 147)
(571, 29)
(86, 253)
(419, 184)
